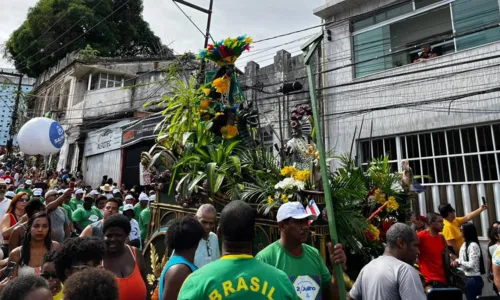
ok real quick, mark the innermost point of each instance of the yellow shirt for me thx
(60, 295)
(451, 231)
(52, 183)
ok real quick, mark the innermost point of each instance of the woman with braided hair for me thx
(37, 242)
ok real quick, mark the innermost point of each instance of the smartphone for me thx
(444, 293)
(71, 185)
(484, 200)
(8, 270)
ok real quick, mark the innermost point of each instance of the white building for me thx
(92, 102)
(442, 114)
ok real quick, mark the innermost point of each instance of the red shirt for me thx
(430, 258)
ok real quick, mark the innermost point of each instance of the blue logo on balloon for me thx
(56, 135)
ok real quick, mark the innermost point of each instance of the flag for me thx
(312, 209)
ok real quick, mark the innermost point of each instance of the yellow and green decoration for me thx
(219, 104)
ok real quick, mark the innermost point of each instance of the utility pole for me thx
(12, 131)
(208, 11)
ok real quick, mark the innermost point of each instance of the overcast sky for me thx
(257, 18)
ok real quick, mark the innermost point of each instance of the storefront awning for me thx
(140, 131)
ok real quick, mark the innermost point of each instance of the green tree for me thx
(124, 33)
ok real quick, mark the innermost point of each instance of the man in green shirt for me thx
(86, 215)
(237, 275)
(145, 218)
(141, 205)
(77, 201)
(26, 188)
(302, 263)
(65, 205)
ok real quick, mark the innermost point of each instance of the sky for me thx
(257, 18)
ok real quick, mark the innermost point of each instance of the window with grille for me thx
(463, 155)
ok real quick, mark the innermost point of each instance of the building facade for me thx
(92, 101)
(439, 111)
(8, 93)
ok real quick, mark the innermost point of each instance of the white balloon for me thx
(41, 136)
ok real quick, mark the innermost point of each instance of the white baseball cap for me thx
(129, 197)
(7, 181)
(29, 182)
(10, 194)
(294, 210)
(79, 191)
(128, 207)
(37, 192)
(152, 198)
(116, 191)
(143, 197)
(61, 191)
(94, 193)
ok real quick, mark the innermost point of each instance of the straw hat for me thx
(106, 188)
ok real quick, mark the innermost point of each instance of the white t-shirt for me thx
(135, 233)
(202, 257)
(388, 278)
(206, 247)
(4, 205)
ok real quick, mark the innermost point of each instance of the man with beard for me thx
(302, 263)
(96, 229)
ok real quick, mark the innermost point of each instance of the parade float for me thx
(208, 151)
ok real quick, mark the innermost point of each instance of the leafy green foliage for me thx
(181, 116)
(209, 158)
(88, 54)
(123, 34)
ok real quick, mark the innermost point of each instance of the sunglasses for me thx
(24, 200)
(48, 276)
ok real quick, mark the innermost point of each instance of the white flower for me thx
(288, 184)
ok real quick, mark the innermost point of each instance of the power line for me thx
(189, 18)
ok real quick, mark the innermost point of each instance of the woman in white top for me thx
(36, 243)
(470, 261)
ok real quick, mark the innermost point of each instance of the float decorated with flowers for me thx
(208, 152)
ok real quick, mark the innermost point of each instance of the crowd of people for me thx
(61, 239)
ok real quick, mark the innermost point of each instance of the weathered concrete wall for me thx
(99, 103)
(262, 85)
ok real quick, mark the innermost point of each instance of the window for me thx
(472, 15)
(109, 81)
(267, 138)
(388, 14)
(395, 36)
(470, 154)
(377, 149)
